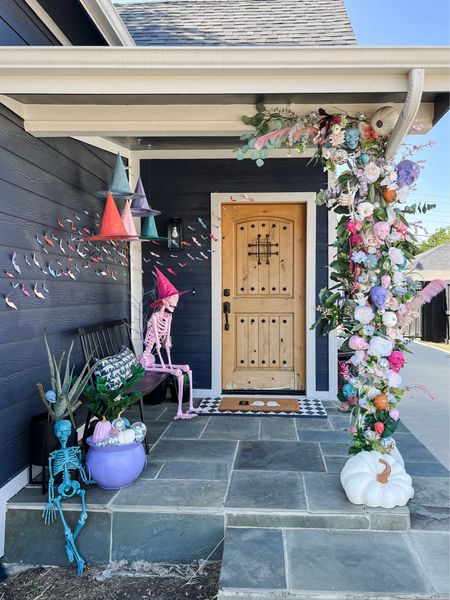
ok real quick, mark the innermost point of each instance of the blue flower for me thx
(358, 256)
(371, 261)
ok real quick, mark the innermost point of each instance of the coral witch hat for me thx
(111, 227)
(127, 220)
(165, 288)
(140, 207)
(119, 186)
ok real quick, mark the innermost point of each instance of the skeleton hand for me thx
(49, 513)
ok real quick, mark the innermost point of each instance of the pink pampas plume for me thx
(281, 134)
(423, 297)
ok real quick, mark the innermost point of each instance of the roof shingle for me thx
(238, 23)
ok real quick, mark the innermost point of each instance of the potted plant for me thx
(117, 465)
(61, 400)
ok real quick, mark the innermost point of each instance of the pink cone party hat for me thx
(111, 227)
(127, 219)
(140, 207)
(165, 288)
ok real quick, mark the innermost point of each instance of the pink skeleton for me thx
(158, 337)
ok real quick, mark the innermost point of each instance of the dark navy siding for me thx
(322, 371)
(19, 26)
(42, 180)
(182, 188)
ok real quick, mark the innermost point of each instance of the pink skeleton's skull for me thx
(170, 303)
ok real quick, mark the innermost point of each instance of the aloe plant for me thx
(66, 386)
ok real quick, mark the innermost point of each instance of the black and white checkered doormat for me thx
(308, 408)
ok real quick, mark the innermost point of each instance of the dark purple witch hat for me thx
(140, 206)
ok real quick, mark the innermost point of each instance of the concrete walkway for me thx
(428, 419)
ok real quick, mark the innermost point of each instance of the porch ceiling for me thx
(131, 93)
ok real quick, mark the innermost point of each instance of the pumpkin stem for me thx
(383, 476)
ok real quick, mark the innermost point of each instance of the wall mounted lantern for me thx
(175, 234)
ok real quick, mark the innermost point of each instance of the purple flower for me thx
(407, 173)
(363, 189)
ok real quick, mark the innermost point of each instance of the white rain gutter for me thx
(416, 82)
(107, 20)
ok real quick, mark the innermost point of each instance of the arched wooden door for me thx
(263, 287)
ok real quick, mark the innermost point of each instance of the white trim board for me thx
(217, 199)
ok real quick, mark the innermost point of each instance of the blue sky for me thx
(413, 23)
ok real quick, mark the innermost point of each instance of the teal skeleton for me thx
(63, 461)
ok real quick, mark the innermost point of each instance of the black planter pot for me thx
(173, 386)
(158, 395)
(42, 440)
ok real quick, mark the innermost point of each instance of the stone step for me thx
(299, 564)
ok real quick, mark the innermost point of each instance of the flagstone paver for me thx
(253, 560)
(164, 493)
(275, 490)
(324, 493)
(232, 428)
(279, 456)
(195, 470)
(203, 450)
(166, 537)
(313, 423)
(185, 429)
(355, 566)
(278, 428)
(433, 550)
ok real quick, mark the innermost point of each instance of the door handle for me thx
(226, 311)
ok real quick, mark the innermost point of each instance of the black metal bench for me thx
(101, 341)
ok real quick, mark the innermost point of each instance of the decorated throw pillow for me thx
(117, 367)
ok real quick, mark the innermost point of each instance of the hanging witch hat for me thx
(165, 288)
(127, 220)
(149, 230)
(140, 207)
(111, 227)
(119, 186)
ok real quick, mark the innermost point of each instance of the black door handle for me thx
(226, 310)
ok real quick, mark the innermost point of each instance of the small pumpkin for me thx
(384, 120)
(101, 431)
(389, 195)
(126, 436)
(376, 480)
(381, 402)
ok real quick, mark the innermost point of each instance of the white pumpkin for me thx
(384, 120)
(126, 437)
(376, 480)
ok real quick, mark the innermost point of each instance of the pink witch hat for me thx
(127, 219)
(165, 288)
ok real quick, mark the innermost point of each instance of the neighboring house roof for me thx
(238, 23)
(433, 263)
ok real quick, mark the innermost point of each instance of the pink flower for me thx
(396, 360)
(356, 239)
(381, 230)
(394, 414)
(351, 227)
(353, 431)
(343, 406)
(379, 427)
(352, 400)
(356, 342)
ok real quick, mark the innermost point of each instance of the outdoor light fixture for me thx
(175, 234)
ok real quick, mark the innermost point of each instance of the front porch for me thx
(254, 481)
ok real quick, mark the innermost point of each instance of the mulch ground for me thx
(119, 582)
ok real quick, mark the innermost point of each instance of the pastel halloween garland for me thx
(374, 299)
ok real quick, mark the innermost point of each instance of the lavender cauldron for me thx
(115, 467)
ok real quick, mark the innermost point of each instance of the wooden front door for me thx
(263, 288)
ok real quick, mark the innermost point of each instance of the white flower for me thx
(394, 379)
(398, 277)
(364, 314)
(358, 357)
(337, 136)
(379, 346)
(372, 172)
(365, 210)
(368, 330)
(394, 236)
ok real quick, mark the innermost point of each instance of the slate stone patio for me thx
(248, 478)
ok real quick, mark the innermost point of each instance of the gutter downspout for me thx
(416, 80)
